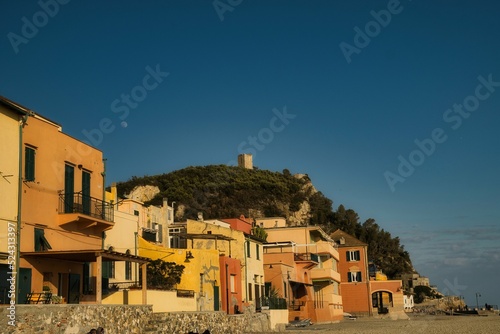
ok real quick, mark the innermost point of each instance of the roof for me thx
(14, 106)
(86, 255)
(241, 218)
(204, 236)
(349, 239)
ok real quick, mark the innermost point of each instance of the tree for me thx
(163, 275)
(347, 221)
(259, 232)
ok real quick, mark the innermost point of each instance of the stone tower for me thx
(245, 161)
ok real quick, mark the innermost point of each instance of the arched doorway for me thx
(382, 300)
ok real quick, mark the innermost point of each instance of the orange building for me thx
(63, 215)
(300, 265)
(364, 292)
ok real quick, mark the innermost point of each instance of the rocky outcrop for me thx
(143, 193)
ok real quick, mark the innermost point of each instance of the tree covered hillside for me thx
(220, 191)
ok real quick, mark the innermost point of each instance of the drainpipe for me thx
(246, 269)
(368, 285)
(227, 289)
(24, 119)
(135, 253)
(103, 197)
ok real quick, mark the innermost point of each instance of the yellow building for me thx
(12, 118)
(201, 275)
(132, 220)
(229, 243)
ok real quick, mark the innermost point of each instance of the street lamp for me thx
(477, 300)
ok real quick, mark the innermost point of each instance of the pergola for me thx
(97, 256)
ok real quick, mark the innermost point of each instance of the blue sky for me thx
(162, 85)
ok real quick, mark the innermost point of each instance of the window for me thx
(285, 290)
(86, 278)
(249, 291)
(335, 288)
(29, 165)
(86, 192)
(69, 188)
(128, 270)
(41, 244)
(108, 269)
(160, 232)
(233, 283)
(248, 248)
(136, 212)
(353, 255)
(354, 276)
(319, 298)
(257, 252)
(149, 235)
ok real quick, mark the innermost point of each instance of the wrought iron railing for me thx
(306, 257)
(274, 303)
(90, 206)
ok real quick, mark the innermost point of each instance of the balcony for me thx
(319, 274)
(306, 257)
(85, 211)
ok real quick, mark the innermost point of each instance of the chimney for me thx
(200, 216)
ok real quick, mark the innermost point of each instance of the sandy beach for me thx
(416, 324)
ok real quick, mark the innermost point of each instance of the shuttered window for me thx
(353, 255)
(354, 276)
(41, 244)
(29, 164)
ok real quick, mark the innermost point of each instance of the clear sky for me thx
(392, 108)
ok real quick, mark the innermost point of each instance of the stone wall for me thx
(127, 319)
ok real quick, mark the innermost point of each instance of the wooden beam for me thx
(144, 284)
(98, 280)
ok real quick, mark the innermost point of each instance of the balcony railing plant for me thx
(87, 205)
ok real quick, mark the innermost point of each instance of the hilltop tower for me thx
(245, 161)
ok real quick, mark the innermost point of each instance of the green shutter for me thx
(106, 269)
(248, 248)
(41, 243)
(160, 233)
(38, 239)
(69, 188)
(86, 192)
(86, 278)
(29, 164)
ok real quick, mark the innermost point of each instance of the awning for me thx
(298, 282)
(86, 256)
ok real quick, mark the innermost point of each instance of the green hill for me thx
(220, 191)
